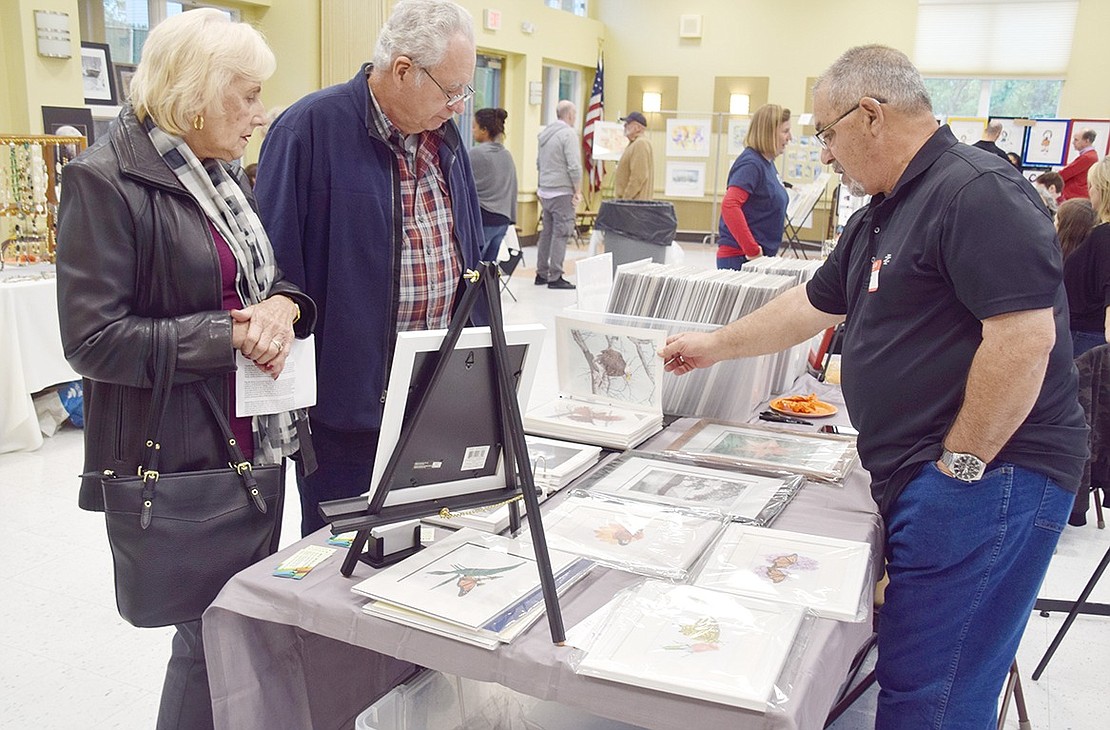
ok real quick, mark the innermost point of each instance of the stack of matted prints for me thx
(824, 457)
(695, 642)
(610, 385)
(686, 294)
(555, 464)
(477, 588)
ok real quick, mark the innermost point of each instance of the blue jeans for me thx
(965, 564)
(492, 236)
(1081, 341)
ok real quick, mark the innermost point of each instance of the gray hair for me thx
(421, 30)
(188, 62)
(565, 109)
(994, 129)
(1088, 135)
(881, 72)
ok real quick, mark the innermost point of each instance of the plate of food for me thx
(803, 405)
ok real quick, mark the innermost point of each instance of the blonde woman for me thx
(753, 212)
(157, 227)
(1087, 270)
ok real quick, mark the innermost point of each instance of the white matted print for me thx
(685, 180)
(608, 363)
(654, 478)
(1047, 142)
(467, 578)
(737, 133)
(688, 137)
(1101, 128)
(815, 455)
(637, 537)
(824, 574)
(694, 642)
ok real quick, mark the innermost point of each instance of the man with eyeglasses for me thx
(957, 372)
(366, 191)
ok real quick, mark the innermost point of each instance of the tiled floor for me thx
(67, 660)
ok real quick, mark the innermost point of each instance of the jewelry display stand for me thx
(353, 514)
(30, 187)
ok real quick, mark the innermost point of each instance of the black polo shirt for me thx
(961, 238)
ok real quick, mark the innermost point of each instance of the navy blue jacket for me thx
(329, 195)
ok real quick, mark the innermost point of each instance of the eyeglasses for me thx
(452, 99)
(820, 133)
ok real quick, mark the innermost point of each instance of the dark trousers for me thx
(186, 702)
(344, 465)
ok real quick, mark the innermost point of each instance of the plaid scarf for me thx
(225, 204)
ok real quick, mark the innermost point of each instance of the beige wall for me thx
(1086, 92)
(31, 81)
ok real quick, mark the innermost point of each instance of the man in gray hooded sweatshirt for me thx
(560, 167)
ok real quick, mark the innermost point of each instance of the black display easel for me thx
(1080, 605)
(354, 514)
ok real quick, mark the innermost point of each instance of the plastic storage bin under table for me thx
(435, 701)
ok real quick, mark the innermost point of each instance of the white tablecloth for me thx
(30, 358)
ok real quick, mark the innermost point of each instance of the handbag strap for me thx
(165, 367)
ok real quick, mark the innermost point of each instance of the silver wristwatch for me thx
(965, 467)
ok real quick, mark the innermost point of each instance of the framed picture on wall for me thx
(63, 120)
(1101, 128)
(688, 137)
(96, 74)
(1046, 142)
(685, 180)
(124, 72)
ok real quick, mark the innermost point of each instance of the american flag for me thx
(595, 170)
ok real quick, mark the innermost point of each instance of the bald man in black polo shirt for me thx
(950, 284)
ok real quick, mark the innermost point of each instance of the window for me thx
(560, 83)
(578, 7)
(125, 24)
(487, 91)
(969, 97)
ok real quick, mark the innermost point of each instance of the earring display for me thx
(30, 187)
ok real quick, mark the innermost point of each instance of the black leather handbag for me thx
(177, 538)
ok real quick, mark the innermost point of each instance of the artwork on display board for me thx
(124, 72)
(688, 138)
(1046, 142)
(737, 133)
(456, 449)
(968, 130)
(685, 180)
(609, 363)
(609, 140)
(63, 120)
(1013, 134)
(801, 161)
(1101, 128)
(97, 75)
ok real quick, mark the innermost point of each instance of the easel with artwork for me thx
(472, 380)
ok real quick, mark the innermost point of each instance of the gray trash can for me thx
(637, 229)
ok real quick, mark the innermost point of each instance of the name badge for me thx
(873, 285)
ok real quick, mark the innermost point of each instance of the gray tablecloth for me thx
(286, 653)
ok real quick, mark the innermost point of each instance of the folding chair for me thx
(509, 256)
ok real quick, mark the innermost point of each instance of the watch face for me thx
(967, 467)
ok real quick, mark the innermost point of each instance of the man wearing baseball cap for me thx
(636, 169)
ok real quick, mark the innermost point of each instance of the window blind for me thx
(989, 37)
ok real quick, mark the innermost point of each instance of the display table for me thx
(285, 653)
(31, 358)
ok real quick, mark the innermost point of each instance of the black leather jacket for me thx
(134, 246)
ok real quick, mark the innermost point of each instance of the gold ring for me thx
(278, 344)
